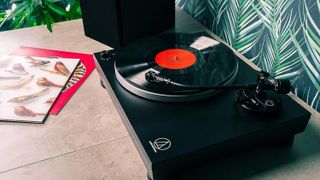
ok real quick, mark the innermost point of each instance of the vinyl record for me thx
(191, 59)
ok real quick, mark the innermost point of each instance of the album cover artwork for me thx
(81, 73)
(30, 85)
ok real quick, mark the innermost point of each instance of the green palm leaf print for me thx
(241, 25)
(280, 36)
(310, 59)
(196, 8)
(278, 55)
(216, 9)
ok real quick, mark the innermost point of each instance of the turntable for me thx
(187, 99)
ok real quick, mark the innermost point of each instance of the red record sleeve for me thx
(85, 59)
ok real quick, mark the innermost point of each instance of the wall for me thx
(280, 36)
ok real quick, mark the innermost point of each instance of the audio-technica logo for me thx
(160, 144)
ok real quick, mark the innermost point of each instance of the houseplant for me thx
(38, 12)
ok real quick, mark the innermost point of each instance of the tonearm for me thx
(251, 96)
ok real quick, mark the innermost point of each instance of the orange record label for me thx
(175, 59)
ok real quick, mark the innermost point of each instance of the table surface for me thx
(88, 140)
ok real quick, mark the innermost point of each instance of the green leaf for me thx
(38, 12)
(196, 8)
(15, 1)
(278, 55)
(241, 26)
(35, 11)
(309, 58)
(75, 10)
(2, 16)
(18, 11)
(217, 9)
(60, 11)
(48, 20)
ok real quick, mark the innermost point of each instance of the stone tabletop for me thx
(87, 140)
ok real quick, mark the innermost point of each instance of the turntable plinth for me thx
(172, 137)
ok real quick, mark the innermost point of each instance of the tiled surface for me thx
(115, 160)
(88, 140)
(88, 119)
(65, 36)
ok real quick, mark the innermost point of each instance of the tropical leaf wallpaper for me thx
(280, 36)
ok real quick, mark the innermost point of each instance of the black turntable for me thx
(193, 59)
(186, 99)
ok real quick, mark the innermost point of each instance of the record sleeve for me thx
(82, 72)
(29, 86)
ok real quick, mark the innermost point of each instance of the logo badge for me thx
(160, 144)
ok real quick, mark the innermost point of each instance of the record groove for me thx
(214, 64)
